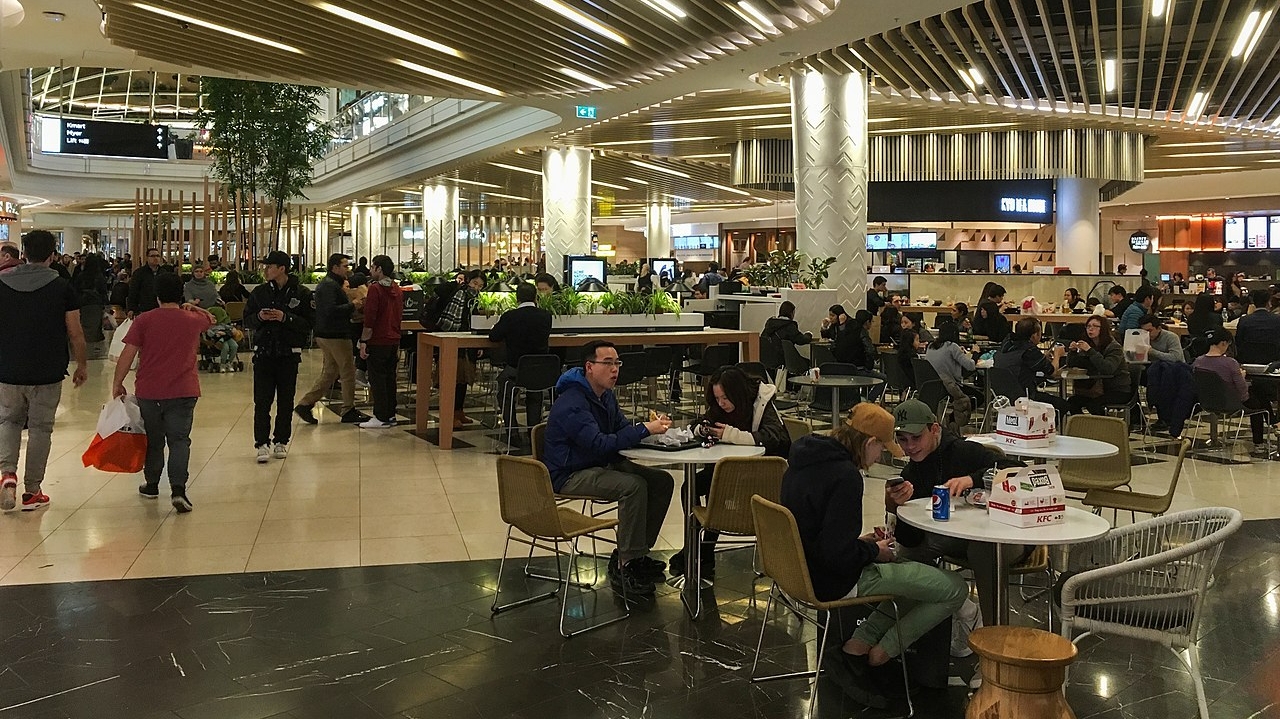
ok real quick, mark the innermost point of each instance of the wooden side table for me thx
(1022, 674)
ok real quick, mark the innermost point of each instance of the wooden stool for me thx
(1022, 674)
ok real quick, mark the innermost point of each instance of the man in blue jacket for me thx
(585, 432)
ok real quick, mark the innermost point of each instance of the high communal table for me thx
(691, 583)
(449, 343)
(973, 523)
(835, 382)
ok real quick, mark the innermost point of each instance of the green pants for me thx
(926, 596)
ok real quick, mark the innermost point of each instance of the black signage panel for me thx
(1139, 241)
(961, 201)
(115, 139)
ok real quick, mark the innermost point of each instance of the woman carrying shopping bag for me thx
(165, 341)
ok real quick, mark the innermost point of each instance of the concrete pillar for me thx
(657, 229)
(440, 217)
(72, 240)
(566, 204)
(1077, 238)
(829, 119)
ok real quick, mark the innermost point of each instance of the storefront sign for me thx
(960, 201)
(9, 210)
(1139, 241)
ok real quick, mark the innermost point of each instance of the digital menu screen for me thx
(1233, 233)
(899, 240)
(922, 241)
(1255, 233)
(878, 241)
(1273, 223)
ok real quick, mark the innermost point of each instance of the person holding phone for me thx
(280, 313)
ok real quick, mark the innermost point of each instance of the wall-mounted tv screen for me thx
(1273, 230)
(1004, 264)
(580, 267)
(1255, 233)
(899, 241)
(1233, 233)
(922, 240)
(660, 265)
(878, 241)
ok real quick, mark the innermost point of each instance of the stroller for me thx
(220, 344)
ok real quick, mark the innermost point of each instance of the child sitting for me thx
(226, 337)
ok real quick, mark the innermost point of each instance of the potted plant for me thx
(817, 273)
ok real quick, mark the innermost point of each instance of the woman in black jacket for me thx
(1100, 354)
(740, 411)
(823, 488)
(231, 289)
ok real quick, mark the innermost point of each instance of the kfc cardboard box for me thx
(1028, 497)
(1026, 424)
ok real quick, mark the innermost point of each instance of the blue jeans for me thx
(168, 422)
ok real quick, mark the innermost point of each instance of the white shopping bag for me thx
(120, 415)
(120, 443)
(1137, 344)
(117, 343)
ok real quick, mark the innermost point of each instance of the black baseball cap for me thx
(278, 258)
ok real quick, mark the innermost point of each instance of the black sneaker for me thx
(181, 503)
(354, 416)
(150, 491)
(654, 570)
(850, 674)
(305, 414)
(626, 580)
(676, 567)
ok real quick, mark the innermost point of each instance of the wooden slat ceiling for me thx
(517, 48)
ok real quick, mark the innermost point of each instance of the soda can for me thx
(941, 503)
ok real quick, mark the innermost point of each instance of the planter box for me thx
(586, 324)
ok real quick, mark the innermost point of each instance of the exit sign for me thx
(586, 112)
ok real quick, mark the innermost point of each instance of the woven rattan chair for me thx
(1148, 581)
(529, 505)
(797, 427)
(593, 506)
(734, 482)
(1082, 475)
(782, 555)
(1133, 502)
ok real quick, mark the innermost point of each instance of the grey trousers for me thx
(642, 493)
(981, 558)
(168, 423)
(33, 406)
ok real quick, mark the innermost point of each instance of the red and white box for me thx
(1028, 497)
(1026, 424)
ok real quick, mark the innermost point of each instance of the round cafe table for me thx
(691, 459)
(973, 523)
(835, 382)
(1060, 447)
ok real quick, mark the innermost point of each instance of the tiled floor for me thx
(351, 639)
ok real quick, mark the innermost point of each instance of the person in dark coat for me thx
(280, 313)
(526, 331)
(777, 330)
(142, 286)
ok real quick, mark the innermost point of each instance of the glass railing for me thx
(369, 114)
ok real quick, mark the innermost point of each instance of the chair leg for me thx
(764, 622)
(564, 600)
(1193, 655)
(824, 628)
(906, 682)
(496, 608)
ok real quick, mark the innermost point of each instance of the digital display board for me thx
(961, 201)
(922, 241)
(1233, 233)
(660, 265)
(696, 242)
(584, 267)
(878, 241)
(104, 139)
(1255, 233)
(899, 240)
(1273, 228)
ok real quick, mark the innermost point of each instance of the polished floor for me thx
(354, 578)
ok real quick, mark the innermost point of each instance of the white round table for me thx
(691, 459)
(835, 382)
(974, 524)
(1060, 447)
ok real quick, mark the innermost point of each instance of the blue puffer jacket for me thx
(1171, 390)
(585, 430)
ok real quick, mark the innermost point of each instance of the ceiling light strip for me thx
(218, 28)
(447, 77)
(517, 168)
(732, 118)
(391, 30)
(668, 8)
(757, 19)
(655, 140)
(658, 168)
(584, 77)
(726, 188)
(584, 20)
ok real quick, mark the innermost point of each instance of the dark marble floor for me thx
(419, 641)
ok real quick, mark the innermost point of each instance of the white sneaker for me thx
(9, 493)
(976, 682)
(375, 423)
(280, 451)
(264, 453)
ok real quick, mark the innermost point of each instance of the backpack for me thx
(433, 305)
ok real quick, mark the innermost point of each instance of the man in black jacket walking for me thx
(525, 330)
(280, 312)
(142, 286)
(333, 337)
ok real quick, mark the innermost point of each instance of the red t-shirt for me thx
(167, 339)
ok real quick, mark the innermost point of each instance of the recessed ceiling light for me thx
(1193, 169)
(584, 20)
(1222, 153)
(752, 14)
(606, 184)
(635, 180)
(54, 16)
(658, 168)
(517, 169)
(507, 197)
(743, 108)
(448, 77)
(654, 140)
(473, 182)
(705, 156)
(1257, 33)
(386, 28)
(1109, 75)
(1159, 6)
(668, 8)
(938, 128)
(217, 28)
(584, 77)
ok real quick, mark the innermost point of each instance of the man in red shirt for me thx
(380, 341)
(167, 386)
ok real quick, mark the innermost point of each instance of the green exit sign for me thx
(586, 112)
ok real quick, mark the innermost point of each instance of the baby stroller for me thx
(220, 344)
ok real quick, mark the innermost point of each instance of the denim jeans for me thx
(168, 422)
(33, 406)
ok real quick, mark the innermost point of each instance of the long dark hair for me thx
(1105, 337)
(948, 332)
(740, 389)
(232, 279)
(1075, 296)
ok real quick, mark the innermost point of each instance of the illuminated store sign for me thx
(1034, 205)
(960, 201)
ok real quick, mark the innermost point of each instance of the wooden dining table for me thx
(450, 343)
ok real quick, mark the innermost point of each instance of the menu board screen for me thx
(899, 241)
(922, 240)
(1274, 229)
(1255, 233)
(878, 241)
(1233, 232)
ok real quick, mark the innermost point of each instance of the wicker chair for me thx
(593, 506)
(782, 555)
(797, 427)
(1133, 502)
(1148, 581)
(529, 505)
(1082, 475)
(734, 482)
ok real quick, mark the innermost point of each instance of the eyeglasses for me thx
(611, 363)
(150, 256)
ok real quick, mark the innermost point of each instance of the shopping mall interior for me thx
(941, 145)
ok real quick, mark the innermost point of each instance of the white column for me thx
(657, 229)
(72, 240)
(1077, 237)
(829, 119)
(566, 204)
(440, 217)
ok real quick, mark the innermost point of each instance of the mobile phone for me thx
(894, 481)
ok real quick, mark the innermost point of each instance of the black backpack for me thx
(433, 305)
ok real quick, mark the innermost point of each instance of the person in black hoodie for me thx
(823, 489)
(776, 331)
(525, 330)
(142, 286)
(940, 458)
(854, 346)
(333, 337)
(281, 313)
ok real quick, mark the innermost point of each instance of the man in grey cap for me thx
(281, 313)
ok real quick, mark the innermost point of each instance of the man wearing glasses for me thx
(142, 288)
(585, 432)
